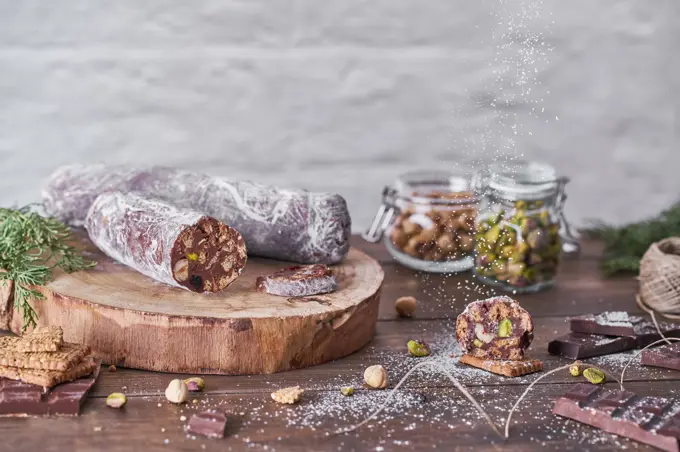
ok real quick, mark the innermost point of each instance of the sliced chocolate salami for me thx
(179, 247)
(293, 225)
(495, 328)
(299, 281)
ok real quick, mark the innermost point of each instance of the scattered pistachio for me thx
(192, 256)
(418, 348)
(376, 377)
(347, 391)
(288, 395)
(595, 376)
(177, 391)
(405, 306)
(477, 343)
(116, 400)
(505, 328)
(195, 384)
(575, 369)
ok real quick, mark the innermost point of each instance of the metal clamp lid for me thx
(382, 218)
(570, 243)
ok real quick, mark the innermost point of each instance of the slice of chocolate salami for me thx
(179, 247)
(299, 281)
(495, 328)
(292, 225)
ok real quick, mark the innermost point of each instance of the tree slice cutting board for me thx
(133, 321)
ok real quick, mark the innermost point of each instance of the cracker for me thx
(42, 339)
(50, 378)
(506, 368)
(64, 359)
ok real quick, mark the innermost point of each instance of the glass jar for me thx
(518, 243)
(427, 220)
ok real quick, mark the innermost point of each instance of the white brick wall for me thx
(343, 95)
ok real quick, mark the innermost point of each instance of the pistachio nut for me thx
(418, 348)
(195, 384)
(575, 369)
(595, 376)
(116, 400)
(505, 328)
(347, 391)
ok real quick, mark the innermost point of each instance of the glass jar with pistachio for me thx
(517, 240)
(428, 221)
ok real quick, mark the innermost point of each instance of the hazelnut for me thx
(116, 400)
(398, 237)
(376, 377)
(466, 241)
(177, 391)
(405, 306)
(410, 228)
(445, 243)
(181, 270)
(195, 384)
(112, 368)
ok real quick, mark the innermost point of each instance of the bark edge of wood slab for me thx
(132, 321)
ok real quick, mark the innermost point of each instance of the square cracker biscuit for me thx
(505, 368)
(64, 359)
(41, 339)
(50, 378)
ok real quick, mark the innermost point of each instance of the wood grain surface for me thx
(426, 414)
(131, 320)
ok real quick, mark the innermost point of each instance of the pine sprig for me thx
(31, 247)
(625, 245)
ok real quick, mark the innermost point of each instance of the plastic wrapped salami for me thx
(293, 225)
(180, 247)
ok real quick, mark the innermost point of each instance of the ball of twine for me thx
(660, 278)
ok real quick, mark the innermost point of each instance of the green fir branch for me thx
(31, 247)
(625, 245)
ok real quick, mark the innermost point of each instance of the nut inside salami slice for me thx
(207, 256)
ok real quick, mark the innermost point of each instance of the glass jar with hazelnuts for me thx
(521, 230)
(428, 221)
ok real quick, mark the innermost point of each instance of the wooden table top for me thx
(427, 413)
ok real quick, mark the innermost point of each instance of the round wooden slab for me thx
(133, 321)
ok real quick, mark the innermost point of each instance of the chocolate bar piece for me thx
(211, 424)
(580, 345)
(505, 368)
(667, 356)
(619, 323)
(646, 333)
(22, 399)
(650, 420)
(611, 323)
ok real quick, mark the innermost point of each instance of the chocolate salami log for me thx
(180, 247)
(293, 225)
